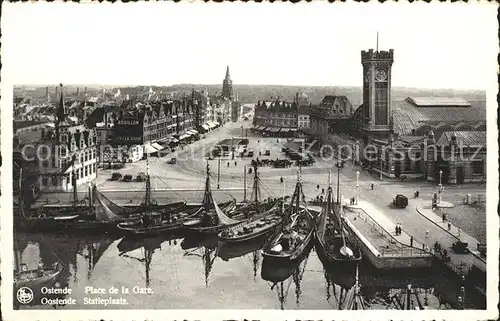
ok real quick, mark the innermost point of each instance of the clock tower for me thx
(376, 110)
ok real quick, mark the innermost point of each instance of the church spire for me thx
(60, 115)
(227, 86)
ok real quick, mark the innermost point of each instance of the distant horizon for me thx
(236, 85)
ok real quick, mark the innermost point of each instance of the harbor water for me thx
(191, 272)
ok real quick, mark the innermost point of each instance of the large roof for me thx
(438, 102)
(407, 116)
(464, 138)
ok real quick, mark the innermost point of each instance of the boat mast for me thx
(255, 184)
(75, 191)
(283, 200)
(207, 197)
(147, 199)
(299, 190)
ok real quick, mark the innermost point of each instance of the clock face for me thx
(381, 75)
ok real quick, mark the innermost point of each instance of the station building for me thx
(396, 138)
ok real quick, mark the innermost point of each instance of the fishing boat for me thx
(213, 219)
(228, 251)
(152, 220)
(38, 220)
(334, 244)
(35, 279)
(260, 223)
(292, 242)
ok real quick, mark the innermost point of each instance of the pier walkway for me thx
(381, 229)
(451, 229)
(380, 243)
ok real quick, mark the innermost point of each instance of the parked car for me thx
(127, 178)
(250, 153)
(173, 160)
(267, 153)
(460, 247)
(400, 201)
(141, 177)
(116, 176)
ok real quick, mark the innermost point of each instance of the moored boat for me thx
(333, 242)
(213, 219)
(149, 220)
(260, 223)
(296, 237)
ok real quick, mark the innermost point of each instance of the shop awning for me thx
(266, 129)
(285, 130)
(216, 123)
(211, 125)
(274, 130)
(293, 129)
(149, 149)
(205, 127)
(157, 146)
(194, 131)
(184, 136)
(173, 139)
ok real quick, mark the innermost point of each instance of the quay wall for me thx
(387, 261)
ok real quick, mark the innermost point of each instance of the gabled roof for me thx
(464, 138)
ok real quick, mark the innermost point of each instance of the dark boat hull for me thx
(136, 228)
(251, 236)
(336, 260)
(295, 256)
(229, 251)
(208, 229)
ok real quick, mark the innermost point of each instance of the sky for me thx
(435, 45)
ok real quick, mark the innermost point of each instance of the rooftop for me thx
(408, 116)
(438, 102)
(464, 138)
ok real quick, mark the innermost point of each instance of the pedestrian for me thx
(411, 241)
(322, 191)
(317, 186)
(449, 226)
(444, 217)
(418, 193)
(235, 163)
(227, 164)
(260, 153)
(396, 228)
(372, 186)
(426, 234)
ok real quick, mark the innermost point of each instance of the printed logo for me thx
(24, 295)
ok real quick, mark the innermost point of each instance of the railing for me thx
(402, 249)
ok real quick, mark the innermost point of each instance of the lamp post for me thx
(339, 165)
(440, 186)
(380, 165)
(357, 187)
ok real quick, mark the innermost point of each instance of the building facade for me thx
(64, 156)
